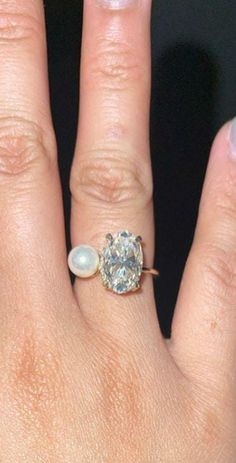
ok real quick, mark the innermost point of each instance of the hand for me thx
(85, 375)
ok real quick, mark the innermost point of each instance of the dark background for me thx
(193, 93)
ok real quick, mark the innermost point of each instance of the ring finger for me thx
(111, 179)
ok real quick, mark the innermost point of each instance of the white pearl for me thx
(83, 261)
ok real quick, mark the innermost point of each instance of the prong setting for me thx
(109, 238)
(137, 288)
(121, 262)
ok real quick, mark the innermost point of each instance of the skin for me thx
(85, 375)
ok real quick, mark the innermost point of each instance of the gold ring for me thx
(120, 263)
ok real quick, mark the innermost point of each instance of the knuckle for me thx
(109, 179)
(115, 64)
(15, 27)
(225, 201)
(122, 388)
(23, 145)
(210, 427)
(35, 380)
(218, 269)
(222, 199)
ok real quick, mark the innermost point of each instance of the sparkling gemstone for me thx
(83, 261)
(121, 262)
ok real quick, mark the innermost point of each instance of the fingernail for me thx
(232, 139)
(117, 4)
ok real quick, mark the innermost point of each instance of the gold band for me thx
(151, 271)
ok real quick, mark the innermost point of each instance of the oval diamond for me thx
(121, 262)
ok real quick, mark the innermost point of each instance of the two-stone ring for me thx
(121, 262)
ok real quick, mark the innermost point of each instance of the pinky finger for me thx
(204, 327)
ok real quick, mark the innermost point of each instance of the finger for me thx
(111, 179)
(31, 223)
(204, 328)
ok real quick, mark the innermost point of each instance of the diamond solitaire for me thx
(120, 263)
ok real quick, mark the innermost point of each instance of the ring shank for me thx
(151, 271)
